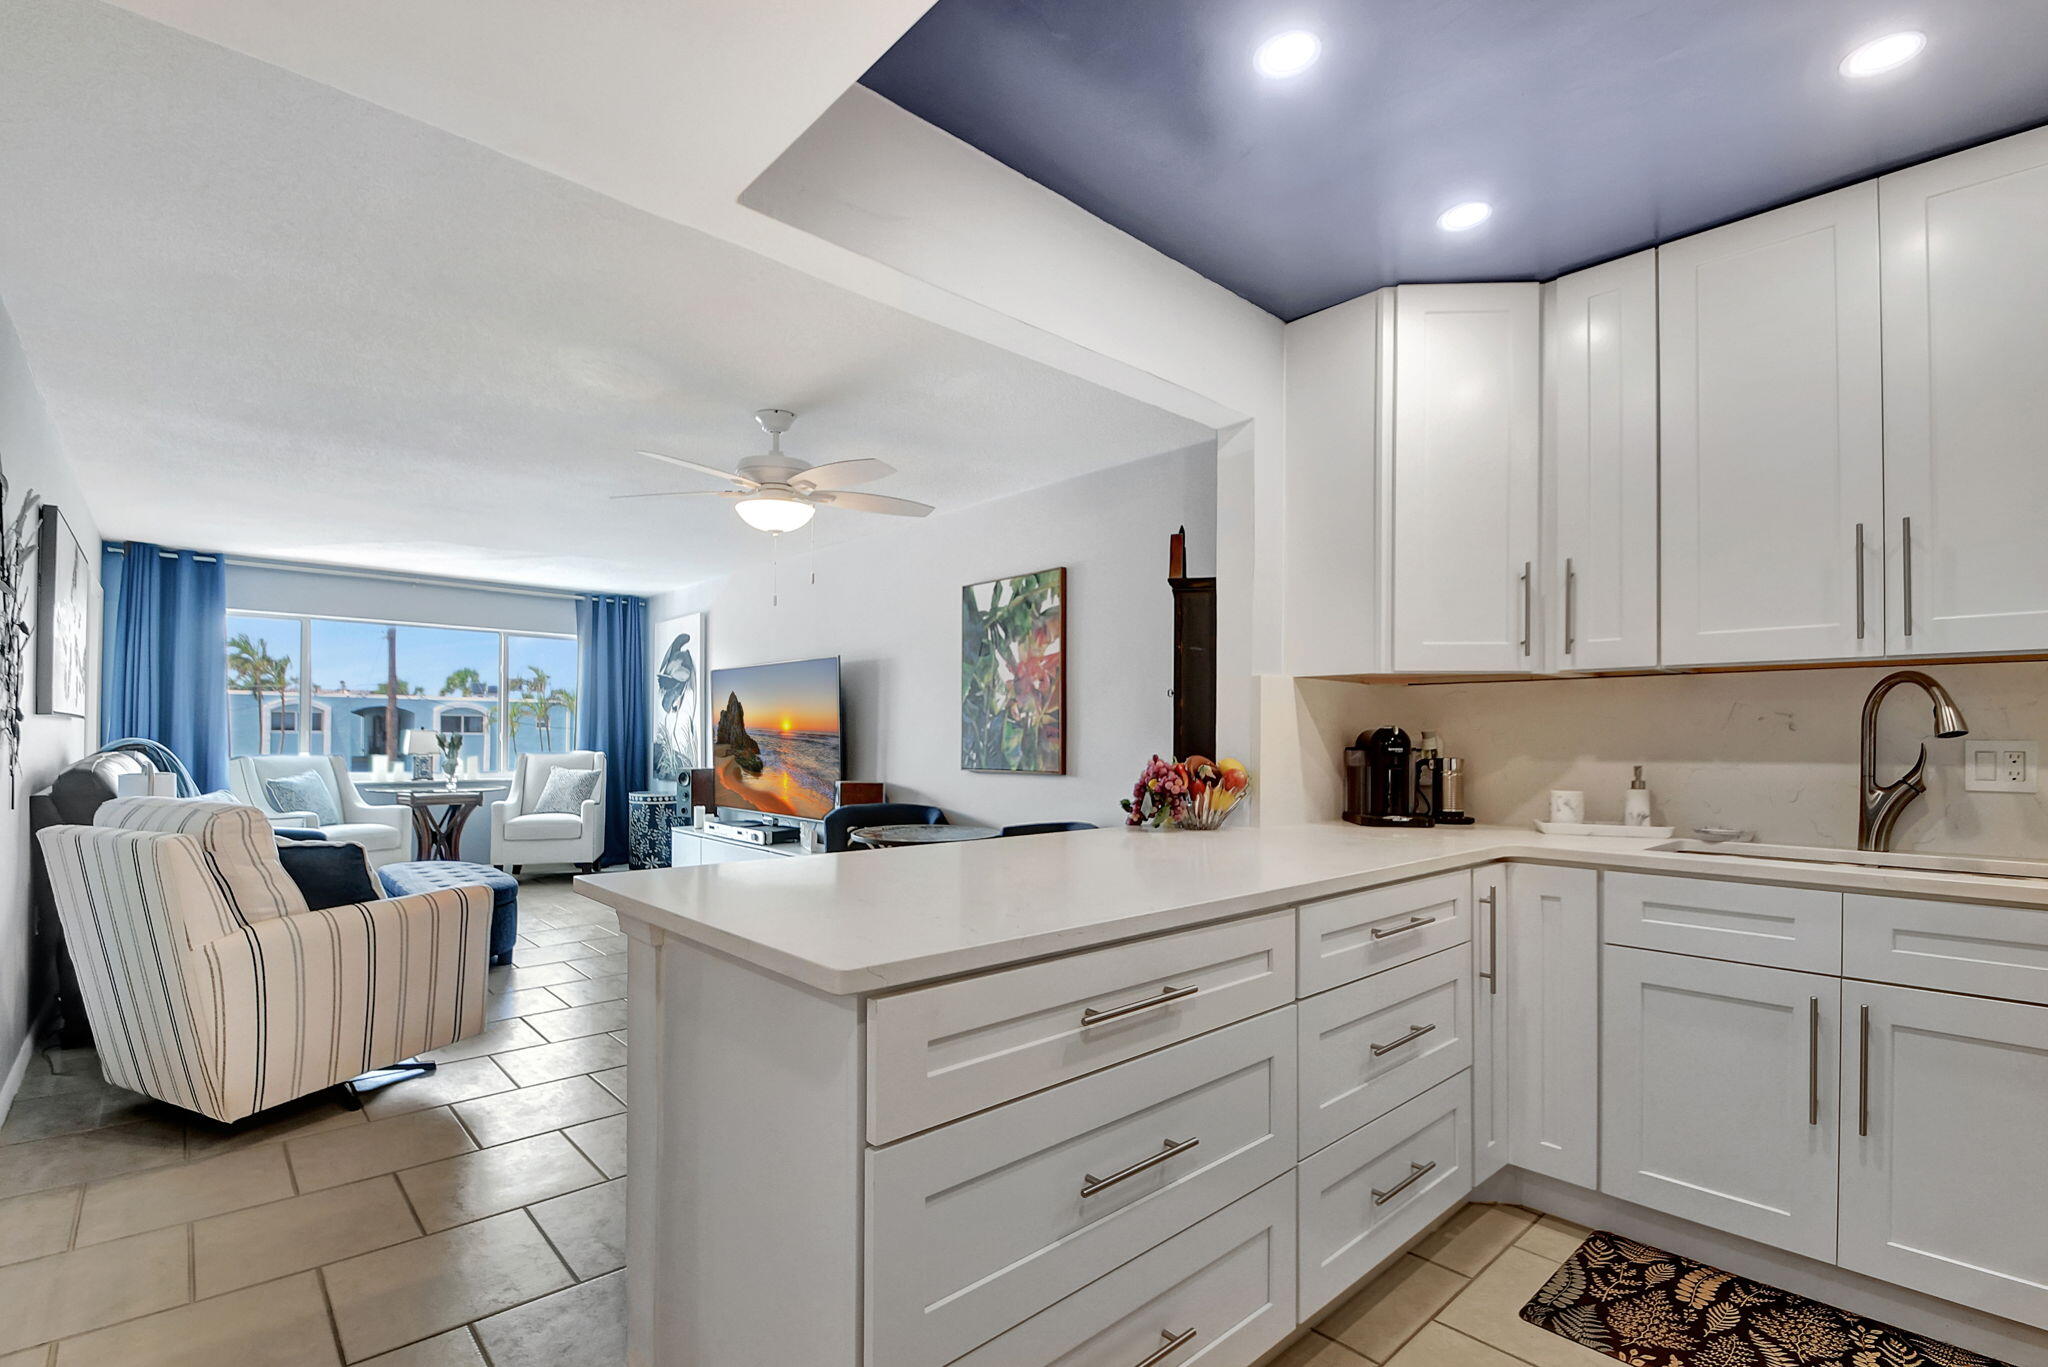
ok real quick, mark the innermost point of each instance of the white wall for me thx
(32, 459)
(889, 606)
(1773, 751)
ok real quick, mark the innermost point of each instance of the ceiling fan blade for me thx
(687, 493)
(872, 503)
(702, 469)
(844, 474)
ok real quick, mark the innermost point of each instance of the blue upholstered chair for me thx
(1048, 827)
(841, 822)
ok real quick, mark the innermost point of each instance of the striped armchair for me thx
(211, 985)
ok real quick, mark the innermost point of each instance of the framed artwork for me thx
(1013, 674)
(677, 698)
(64, 589)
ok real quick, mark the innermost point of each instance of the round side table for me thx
(648, 819)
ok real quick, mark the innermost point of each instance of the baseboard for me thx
(1961, 1325)
(18, 1070)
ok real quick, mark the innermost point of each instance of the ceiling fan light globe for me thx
(774, 513)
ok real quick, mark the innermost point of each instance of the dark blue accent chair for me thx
(841, 822)
(1048, 827)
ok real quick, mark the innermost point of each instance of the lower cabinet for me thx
(1945, 1117)
(1549, 976)
(1719, 1095)
(1491, 1076)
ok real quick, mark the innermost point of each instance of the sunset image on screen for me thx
(775, 739)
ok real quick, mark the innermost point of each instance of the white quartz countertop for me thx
(873, 921)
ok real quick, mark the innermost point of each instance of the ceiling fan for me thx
(778, 493)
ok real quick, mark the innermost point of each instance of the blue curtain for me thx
(611, 703)
(165, 676)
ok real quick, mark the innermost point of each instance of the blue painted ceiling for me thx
(1594, 127)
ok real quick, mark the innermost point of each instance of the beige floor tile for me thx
(610, 941)
(406, 1141)
(1313, 1350)
(550, 1062)
(37, 1225)
(588, 1227)
(614, 1081)
(1387, 1312)
(279, 1324)
(554, 954)
(64, 1112)
(556, 935)
(254, 1245)
(1474, 1236)
(591, 991)
(180, 1195)
(70, 1293)
(1437, 1346)
(470, 1186)
(456, 1348)
(1549, 1237)
(536, 1110)
(88, 1157)
(578, 1021)
(605, 1143)
(584, 1326)
(463, 1080)
(619, 1035)
(497, 1038)
(308, 1115)
(524, 1002)
(581, 911)
(512, 978)
(28, 1357)
(603, 966)
(1490, 1310)
(398, 1295)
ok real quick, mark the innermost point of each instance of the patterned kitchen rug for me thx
(1648, 1308)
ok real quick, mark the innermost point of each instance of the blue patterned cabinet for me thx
(648, 819)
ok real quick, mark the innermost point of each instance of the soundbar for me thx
(753, 833)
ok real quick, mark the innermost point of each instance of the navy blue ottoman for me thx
(428, 874)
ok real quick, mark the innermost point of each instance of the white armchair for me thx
(520, 835)
(383, 832)
(210, 984)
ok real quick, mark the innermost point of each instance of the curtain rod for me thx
(355, 572)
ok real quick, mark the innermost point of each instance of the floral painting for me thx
(1013, 674)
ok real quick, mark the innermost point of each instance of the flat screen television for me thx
(775, 737)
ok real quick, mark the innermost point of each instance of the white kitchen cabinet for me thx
(1772, 450)
(1551, 978)
(1718, 1095)
(1491, 1060)
(1600, 423)
(1944, 1105)
(1965, 248)
(1466, 435)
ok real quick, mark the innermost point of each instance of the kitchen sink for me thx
(1973, 865)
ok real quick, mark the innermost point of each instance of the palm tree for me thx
(465, 682)
(251, 666)
(563, 698)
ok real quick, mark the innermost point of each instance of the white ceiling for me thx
(273, 319)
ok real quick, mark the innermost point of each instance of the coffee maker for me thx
(1378, 782)
(1439, 784)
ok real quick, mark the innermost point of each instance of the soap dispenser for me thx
(1635, 808)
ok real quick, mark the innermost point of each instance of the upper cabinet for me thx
(1465, 478)
(1965, 248)
(1600, 434)
(1773, 437)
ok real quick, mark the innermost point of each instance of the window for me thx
(363, 685)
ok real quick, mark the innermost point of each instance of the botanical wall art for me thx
(17, 547)
(1013, 674)
(64, 587)
(678, 700)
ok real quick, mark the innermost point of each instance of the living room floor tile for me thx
(249, 1246)
(513, 978)
(179, 1195)
(614, 1081)
(278, 1324)
(498, 1037)
(1313, 1350)
(1549, 1237)
(471, 1186)
(524, 1002)
(398, 1295)
(37, 1225)
(1388, 1311)
(537, 1109)
(579, 1021)
(1474, 1236)
(71, 1293)
(456, 1348)
(1437, 1346)
(406, 1141)
(463, 1080)
(591, 991)
(1490, 1310)
(605, 1143)
(314, 1114)
(584, 1326)
(588, 1227)
(87, 1157)
(550, 1062)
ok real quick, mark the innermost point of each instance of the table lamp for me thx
(423, 748)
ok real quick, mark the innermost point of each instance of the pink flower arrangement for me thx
(1196, 793)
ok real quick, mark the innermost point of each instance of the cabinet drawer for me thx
(1345, 938)
(1371, 1045)
(1372, 1191)
(938, 1053)
(1748, 923)
(975, 1227)
(1224, 1290)
(1986, 951)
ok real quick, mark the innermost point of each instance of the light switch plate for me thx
(2001, 766)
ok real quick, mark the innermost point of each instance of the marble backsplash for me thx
(1770, 751)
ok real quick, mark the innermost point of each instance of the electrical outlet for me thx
(2001, 766)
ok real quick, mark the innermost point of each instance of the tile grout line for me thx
(333, 1320)
(1515, 1357)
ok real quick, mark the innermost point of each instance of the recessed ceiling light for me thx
(1460, 217)
(1880, 55)
(1288, 54)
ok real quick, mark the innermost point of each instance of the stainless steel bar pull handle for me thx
(1813, 1060)
(1527, 617)
(1092, 1185)
(1571, 607)
(1415, 1174)
(1414, 923)
(1863, 1071)
(1492, 970)
(1415, 1032)
(1174, 1343)
(1861, 625)
(1906, 567)
(1093, 1016)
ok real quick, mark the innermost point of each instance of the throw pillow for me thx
(329, 873)
(567, 790)
(303, 793)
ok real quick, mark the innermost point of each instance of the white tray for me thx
(1606, 829)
